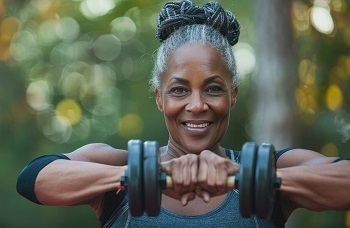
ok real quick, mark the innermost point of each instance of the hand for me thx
(184, 172)
(213, 172)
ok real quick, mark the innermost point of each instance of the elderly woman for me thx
(194, 82)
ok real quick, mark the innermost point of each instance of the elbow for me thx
(25, 185)
(27, 178)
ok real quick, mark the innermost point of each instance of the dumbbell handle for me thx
(230, 182)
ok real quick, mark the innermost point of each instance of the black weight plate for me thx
(264, 178)
(151, 175)
(246, 179)
(135, 183)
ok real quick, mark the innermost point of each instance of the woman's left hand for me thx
(213, 172)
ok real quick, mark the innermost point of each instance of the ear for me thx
(234, 94)
(158, 100)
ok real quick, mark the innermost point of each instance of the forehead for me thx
(195, 58)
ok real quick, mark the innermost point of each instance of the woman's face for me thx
(196, 97)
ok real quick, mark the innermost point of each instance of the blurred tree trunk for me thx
(275, 77)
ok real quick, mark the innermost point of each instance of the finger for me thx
(221, 181)
(177, 175)
(203, 194)
(194, 173)
(186, 176)
(187, 197)
(189, 170)
(233, 168)
(211, 177)
(166, 167)
(223, 170)
(202, 171)
(209, 159)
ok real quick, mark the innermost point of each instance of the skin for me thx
(196, 98)
(195, 89)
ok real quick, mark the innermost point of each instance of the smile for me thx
(203, 125)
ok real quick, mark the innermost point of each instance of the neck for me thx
(175, 150)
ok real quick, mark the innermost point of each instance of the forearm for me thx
(67, 182)
(317, 187)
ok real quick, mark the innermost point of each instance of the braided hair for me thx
(183, 22)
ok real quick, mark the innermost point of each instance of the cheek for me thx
(222, 107)
(172, 109)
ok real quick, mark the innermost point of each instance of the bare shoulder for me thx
(302, 157)
(99, 153)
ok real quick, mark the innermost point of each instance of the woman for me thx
(194, 82)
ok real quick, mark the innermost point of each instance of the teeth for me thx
(197, 125)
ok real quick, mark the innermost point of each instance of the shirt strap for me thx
(233, 155)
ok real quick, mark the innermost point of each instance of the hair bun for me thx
(177, 14)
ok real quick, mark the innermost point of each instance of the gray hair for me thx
(182, 22)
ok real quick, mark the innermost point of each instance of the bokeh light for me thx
(47, 32)
(306, 93)
(25, 46)
(69, 111)
(55, 128)
(8, 28)
(92, 9)
(322, 20)
(67, 29)
(107, 47)
(330, 150)
(334, 97)
(39, 95)
(130, 125)
(124, 28)
(300, 12)
(73, 85)
(245, 58)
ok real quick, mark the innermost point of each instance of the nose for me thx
(197, 103)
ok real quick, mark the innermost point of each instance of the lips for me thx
(197, 127)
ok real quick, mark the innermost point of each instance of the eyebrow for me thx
(206, 81)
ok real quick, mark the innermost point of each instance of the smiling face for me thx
(196, 97)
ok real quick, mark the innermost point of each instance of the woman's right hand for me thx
(184, 172)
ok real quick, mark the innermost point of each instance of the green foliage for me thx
(76, 72)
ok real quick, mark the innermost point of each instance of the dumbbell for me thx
(256, 179)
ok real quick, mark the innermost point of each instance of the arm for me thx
(313, 181)
(91, 171)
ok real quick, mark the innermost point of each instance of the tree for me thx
(274, 78)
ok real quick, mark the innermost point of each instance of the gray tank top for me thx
(225, 215)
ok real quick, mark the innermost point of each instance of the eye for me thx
(178, 91)
(215, 89)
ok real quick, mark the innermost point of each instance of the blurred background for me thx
(74, 72)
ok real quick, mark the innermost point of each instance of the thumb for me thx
(187, 197)
(203, 194)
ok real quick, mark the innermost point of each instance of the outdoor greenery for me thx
(74, 72)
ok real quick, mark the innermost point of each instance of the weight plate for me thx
(264, 178)
(151, 176)
(246, 179)
(134, 182)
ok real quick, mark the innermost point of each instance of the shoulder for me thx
(99, 153)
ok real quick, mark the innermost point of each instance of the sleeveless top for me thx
(115, 212)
